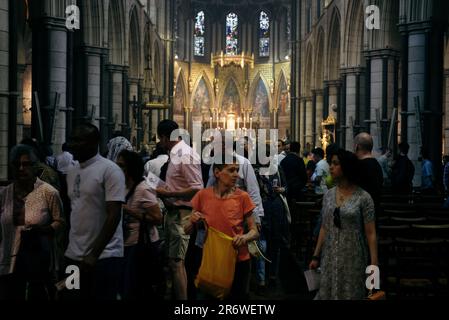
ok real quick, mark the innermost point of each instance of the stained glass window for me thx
(199, 34)
(264, 35)
(232, 34)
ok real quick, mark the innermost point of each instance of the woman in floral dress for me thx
(347, 241)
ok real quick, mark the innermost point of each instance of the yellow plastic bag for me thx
(217, 268)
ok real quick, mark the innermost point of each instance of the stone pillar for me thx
(295, 119)
(93, 67)
(416, 78)
(302, 122)
(50, 76)
(354, 107)
(309, 122)
(319, 115)
(341, 114)
(446, 112)
(330, 97)
(116, 94)
(383, 83)
(19, 119)
(4, 88)
(423, 26)
(133, 109)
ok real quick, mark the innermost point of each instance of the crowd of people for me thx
(135, 226)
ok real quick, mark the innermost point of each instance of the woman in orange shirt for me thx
(227, 209)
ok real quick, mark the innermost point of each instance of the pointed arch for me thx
(92, 14)
(319, 63)
(180, 94)
(354, 32)
(157, 66)
(116, 31)
(260, 97)
(334, 46)
(134, 44)
(283, 95)
(202, 96)
(231, 94)
(308, 71)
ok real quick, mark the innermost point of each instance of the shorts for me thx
(176, 240)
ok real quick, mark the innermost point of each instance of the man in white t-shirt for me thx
(96, 188)
(321, 171)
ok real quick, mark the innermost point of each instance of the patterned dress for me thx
(345, 251)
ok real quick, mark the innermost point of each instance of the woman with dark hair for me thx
(141, 209)
(30, 221)
(347, 233)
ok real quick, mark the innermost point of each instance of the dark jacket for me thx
(295, 173)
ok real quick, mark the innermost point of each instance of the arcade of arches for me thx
(285, 64)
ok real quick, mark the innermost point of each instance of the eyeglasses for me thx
(337, 220)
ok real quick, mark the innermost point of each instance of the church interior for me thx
(318, 71)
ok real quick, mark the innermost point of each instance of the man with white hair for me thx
(371, 174)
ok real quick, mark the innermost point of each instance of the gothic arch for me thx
(92, 14)
(308, 67)
(157, 66)
(388, 35)
(181, 88)
(134, 44)
(319, 60)
(333, 46)
(202, 76)
(354, 32)
(281, 83)
(116, 32)
(221, 99)
(259, 77)
(281, 76)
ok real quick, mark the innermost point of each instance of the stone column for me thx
(309, 122)
(446, 112)
(133, 109)
(416, 78)
(319, 115)
(331, 97)
(93, 67)
(302, 122)
(4, 88)
(19, 119)
(382, 93)
(354, 104)
(50, 76)
(116, 94)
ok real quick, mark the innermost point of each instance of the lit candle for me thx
(210, 123)
(224, 122)
(250, 123)
(238, 122)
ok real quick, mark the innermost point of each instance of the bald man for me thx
(371, 175)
